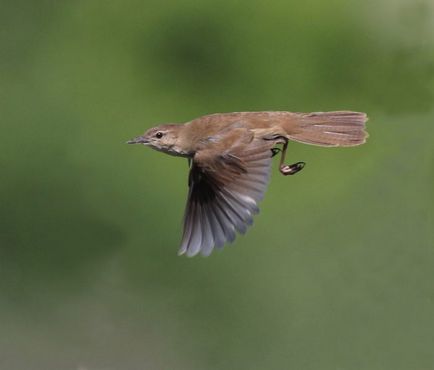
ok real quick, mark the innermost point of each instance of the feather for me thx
(330, 129)
(224, 193)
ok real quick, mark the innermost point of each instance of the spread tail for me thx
(342, 128)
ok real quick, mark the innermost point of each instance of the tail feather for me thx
(342, 128)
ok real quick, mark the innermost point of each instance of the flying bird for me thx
(230, 157)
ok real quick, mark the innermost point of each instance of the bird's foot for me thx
(291, 169)
(275, 151)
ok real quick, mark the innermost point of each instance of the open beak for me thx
(138, 140)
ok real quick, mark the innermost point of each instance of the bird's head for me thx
(163, 138)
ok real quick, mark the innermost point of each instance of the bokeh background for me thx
(338, 271)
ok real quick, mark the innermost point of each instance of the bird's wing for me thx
(224, 189)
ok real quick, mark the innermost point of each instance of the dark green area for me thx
(338, 271)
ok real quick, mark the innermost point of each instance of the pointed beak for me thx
(138, 140)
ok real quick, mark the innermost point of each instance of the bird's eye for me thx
(159, 135)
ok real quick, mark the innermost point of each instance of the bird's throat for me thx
(175, 151)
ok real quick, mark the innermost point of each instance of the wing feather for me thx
(224, 193)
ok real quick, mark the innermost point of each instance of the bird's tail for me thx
(342, 128)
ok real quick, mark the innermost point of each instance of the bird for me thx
(230, 157)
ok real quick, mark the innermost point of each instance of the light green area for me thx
(338, 271)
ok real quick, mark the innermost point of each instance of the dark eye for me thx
(159, 135)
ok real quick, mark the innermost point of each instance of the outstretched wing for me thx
(224, 190)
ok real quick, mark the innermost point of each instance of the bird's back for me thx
(339, 128)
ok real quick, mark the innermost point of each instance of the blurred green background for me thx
(338, 271)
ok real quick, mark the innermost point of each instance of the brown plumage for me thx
(231, 154)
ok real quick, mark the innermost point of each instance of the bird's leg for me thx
(290, 169)
(284, 169)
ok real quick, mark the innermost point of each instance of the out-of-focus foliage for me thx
(337, 272)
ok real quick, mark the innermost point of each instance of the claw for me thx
(275, 151)
(291, 169)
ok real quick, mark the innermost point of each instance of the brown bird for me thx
(230, 158)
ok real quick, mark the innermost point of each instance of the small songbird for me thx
(230, 158)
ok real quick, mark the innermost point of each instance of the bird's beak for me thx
(138, 140)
